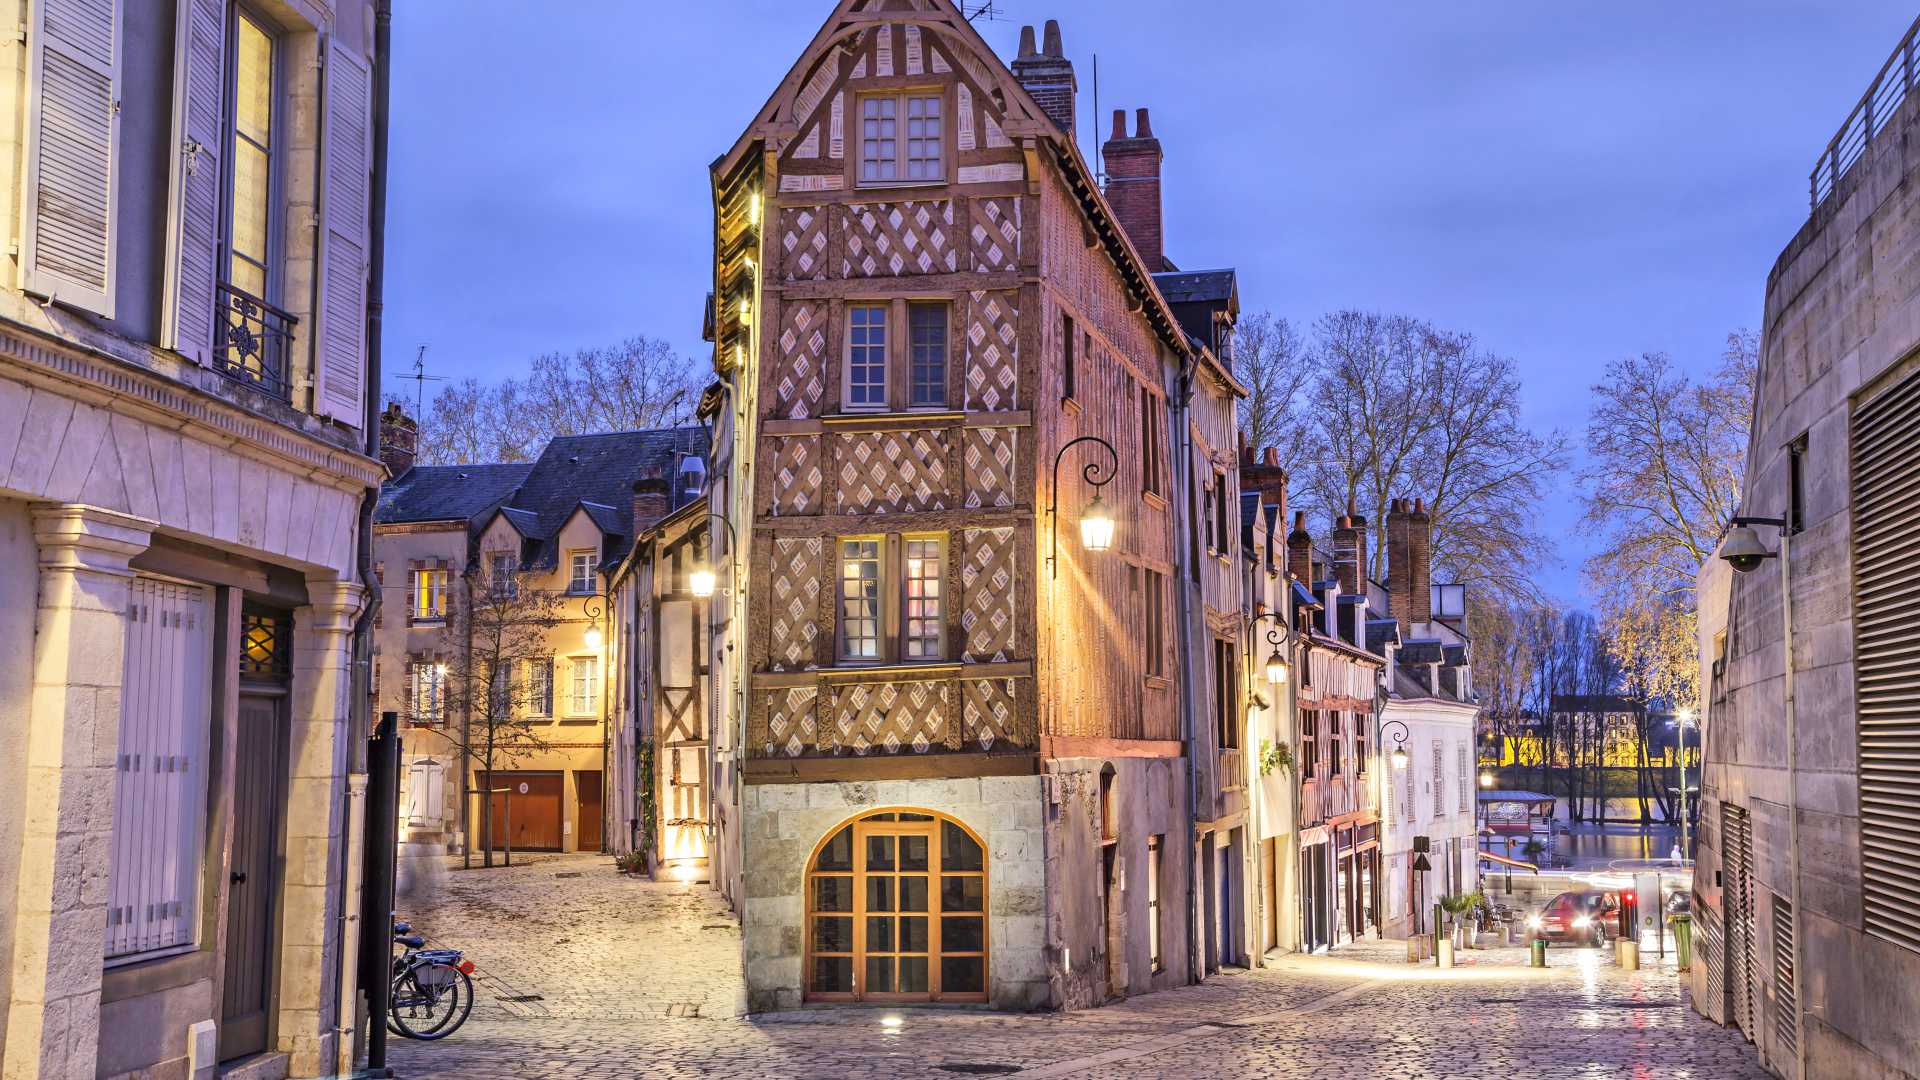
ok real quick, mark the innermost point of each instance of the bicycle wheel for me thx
(434, 1003)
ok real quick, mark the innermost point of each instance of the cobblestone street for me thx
(597, 975)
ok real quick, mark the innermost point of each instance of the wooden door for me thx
(587, 816)
(532, 803)
(253, 877)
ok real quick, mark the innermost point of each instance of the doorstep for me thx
(257, 1067)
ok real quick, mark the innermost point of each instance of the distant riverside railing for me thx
(1876, 107)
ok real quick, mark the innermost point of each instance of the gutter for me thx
(359, 708)
(1196, 964)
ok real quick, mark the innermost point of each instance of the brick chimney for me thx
(1409, 564)
(1420, 550)
(1345, 551)
(399, 439)
(1133, 186)
(1266, 477)
(652, 499)
(1300, 550)
(1048, 76)
(1361, 541)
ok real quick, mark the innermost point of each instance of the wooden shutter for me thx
(1886, 624)
(1785, 1024)
(199, 144)
(73, 149)
(161, 786)
(340, 341)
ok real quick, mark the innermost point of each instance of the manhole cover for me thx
(524, 998)
(978, 1068)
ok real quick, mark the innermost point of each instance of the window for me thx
(1225, 663)
(1797, 485)
(251, 172)
(429, 594)
(925, 607)
(1151, 456)
(1465, 779)
(860, 600)
(1156, 635)
(1439, 778)
(580, 576)
(892, 600)
(1223, 518)
(1067, 342)
(160, 774)
(501, 570)
(896, 910)
(1336, 742)
(927, 326)
(1360, 745)
(867, 356)
(585, 698)
(885, 157)
(427, 691)
(1153, 904)
(540, 687)
(1193, 534)
(500, 692)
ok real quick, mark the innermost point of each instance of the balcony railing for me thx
(251, 343)
(1877, 106)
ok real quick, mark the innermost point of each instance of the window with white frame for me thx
(581, 565)
(500, 691)
(501, 566)
(860, 599)
(584, 698)
(902, 139)
(430, 594)
(927, 326)
(427, 691)
(1465, 780)
(252, 175)
(160, 773)
(926, 619)
(1439, 778)
(892, 600)
(867, 356)
(540, 687)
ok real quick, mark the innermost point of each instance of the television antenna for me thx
(420, 379)
(982, 9)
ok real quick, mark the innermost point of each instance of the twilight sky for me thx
(1570, 181)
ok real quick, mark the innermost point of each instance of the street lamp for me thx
(702, 581)
(1096, 523)
(1681, 721)
(1277, 659)
(1400, 756)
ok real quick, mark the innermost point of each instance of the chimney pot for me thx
(1053, 47)
(1048, 77)
(1143, 125)
(1119, 123)
(1271, 458)
(1026, 42)
(1133, 187)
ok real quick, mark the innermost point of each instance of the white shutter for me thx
(73, 149)
(193, 242)
(160, 795)
(340, 341)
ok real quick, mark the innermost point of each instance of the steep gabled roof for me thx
(595, 474)
(447, 492)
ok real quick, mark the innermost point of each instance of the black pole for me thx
(376, 896)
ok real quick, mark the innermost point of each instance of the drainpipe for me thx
(346, 1021)
(1793, 805)
(1196, 964)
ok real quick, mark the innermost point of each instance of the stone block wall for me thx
(783, 823)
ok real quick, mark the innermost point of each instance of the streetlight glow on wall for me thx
(1401, 759)
(701, 580)
(1276, 660)
(1096, 523)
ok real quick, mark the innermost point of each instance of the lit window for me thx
(250, 216)
(586, 686)
(887, 158)
(928, 325)
(925, 607)
(582, 565)
(540, 687)
(427, 692)
(429, 595)
(860, 600)
(867, 357)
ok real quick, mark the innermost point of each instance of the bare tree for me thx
(498, 678)
(1272, 360)
(637, 384)
(1666, 461)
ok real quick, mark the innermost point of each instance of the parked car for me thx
(1578, 917)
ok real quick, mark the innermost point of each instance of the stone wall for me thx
(783, 824)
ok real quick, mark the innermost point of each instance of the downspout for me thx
(1793, 805)
(346, 1019)
(1196, 964)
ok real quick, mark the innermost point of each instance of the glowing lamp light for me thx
(593, 637)
(702, 583)
(1486, 779)
(1400, 757)
(1277, 669)
(1096, 526)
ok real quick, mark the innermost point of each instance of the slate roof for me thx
(1380, 632)
(598, 472)
(447, 492)
(1197, 286)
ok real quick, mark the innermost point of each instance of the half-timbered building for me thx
(962, 747)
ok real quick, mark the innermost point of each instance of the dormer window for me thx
(581, 565)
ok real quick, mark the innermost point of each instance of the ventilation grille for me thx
(1784, 1029)
(1886, 606)
(1736, 833)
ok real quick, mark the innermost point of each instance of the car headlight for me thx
(1533, 921)
(1582, 923)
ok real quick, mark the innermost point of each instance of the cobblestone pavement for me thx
(617, 966)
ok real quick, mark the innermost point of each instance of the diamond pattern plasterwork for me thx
(794, 611)
(884, 472)
(993, 352)
(988, 455)
(800, 379)
(893, 239)
(796, 475)
(791, 726)
(888, 718)
(989, 712)
(987, 595)
(996, 234)
(803, 238)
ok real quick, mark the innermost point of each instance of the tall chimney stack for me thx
(1400, 565)
(1345, 553)
(1133, 186)
(1047, 75)
(1361, 548)
(1420, 549)
(399, 440)
(652, 499)
(1300, 550)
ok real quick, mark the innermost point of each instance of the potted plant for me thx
(1458, 905)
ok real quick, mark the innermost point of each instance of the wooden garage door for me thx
(531, 802)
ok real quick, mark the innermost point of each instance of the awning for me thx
(1502, 860)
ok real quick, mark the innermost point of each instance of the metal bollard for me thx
(1538, 955)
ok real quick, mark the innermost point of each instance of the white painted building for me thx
(188, 193)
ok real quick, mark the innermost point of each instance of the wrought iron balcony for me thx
(253, 341)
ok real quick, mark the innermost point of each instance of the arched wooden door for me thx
(896, 911)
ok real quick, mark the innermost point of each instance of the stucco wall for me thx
(783, 823)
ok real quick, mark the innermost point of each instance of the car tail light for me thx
(466, 967)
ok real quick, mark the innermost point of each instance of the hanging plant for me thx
(1273, 757)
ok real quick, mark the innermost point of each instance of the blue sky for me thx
(1570, 181)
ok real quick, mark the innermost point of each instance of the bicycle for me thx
(432, 990)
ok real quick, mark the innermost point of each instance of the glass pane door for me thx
(895, 920)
